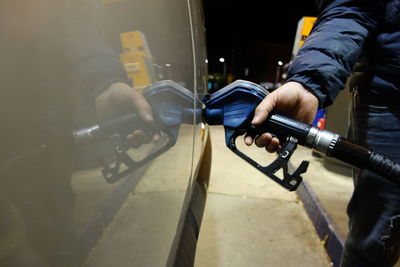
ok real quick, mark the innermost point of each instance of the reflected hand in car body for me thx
(120, 98)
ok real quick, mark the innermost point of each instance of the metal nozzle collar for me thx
(321, 140)
(85, 135)
(325, 141)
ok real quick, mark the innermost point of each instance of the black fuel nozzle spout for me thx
(172, 105)
(233, 107)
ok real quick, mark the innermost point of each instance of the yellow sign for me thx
(304, 28)
(137, 59)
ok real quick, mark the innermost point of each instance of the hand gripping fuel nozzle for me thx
(172, 105)
(233, 107)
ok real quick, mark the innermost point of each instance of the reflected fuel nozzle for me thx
(172, 105)
(233, 107)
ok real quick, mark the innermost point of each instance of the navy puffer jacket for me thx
(347, 32)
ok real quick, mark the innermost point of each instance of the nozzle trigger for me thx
(288, 181)
(115, 173)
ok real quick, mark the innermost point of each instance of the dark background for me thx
(252, 35)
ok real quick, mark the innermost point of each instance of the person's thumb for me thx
(142, 106)
(264, 108)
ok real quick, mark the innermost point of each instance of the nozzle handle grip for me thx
(125, 123)
(284, 126)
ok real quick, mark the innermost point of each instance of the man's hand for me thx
(292, 100)
(119, 99)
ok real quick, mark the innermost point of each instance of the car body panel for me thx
(67, 66)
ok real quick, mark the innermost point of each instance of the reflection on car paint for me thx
(70, 65)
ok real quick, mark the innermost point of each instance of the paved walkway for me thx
(250, 220)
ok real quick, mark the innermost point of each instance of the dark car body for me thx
(60, 60)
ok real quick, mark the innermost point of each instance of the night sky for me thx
(252, 33)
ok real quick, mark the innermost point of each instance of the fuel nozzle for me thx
(172, 106)
(233, 107)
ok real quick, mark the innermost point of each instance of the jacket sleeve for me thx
(336, 42)
(94, 64)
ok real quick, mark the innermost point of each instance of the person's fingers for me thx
(137, 138)
(121, 98)
(263, 109)
(103, 107)
(273, 145)
(142, 106)
(156, 137)
(249, 138)
(133, 140)
(263, 140)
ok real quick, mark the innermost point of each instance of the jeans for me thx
(374, 209)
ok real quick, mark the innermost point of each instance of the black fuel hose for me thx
(333, 145)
